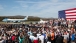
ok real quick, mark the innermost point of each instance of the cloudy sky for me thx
(40, 8)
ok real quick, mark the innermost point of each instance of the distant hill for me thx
(13, 17)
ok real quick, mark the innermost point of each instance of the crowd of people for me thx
(54, 31)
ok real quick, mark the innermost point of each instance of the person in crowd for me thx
(41, 38)
(48, 37)
(35, 39)
(21, 38)
(13, 38)
(72, 37)
(65, 37)
(52, 36)
(59, 38)
(21, 33)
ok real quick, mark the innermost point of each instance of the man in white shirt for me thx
(38, 34)
(65, 38)
(41, 37)
(31, 37)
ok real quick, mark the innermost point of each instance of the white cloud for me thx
(48, 8)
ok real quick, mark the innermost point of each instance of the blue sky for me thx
(40, 8)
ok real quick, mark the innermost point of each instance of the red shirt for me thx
(13, 38)
(35, 41)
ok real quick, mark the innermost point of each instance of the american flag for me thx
(70, 14)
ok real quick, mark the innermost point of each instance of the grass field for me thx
(26, 22)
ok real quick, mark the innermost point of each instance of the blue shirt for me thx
(44, 35)
(73, 37)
